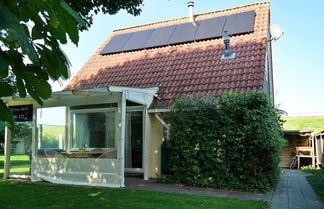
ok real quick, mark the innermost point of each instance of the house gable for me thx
(192, 68)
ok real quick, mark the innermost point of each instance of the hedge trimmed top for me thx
(227, 142)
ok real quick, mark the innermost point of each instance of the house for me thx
(116, 102)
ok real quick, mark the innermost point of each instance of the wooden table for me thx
(305, 156)
(305, 150)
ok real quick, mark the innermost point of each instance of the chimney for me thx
(228, 54)
(191, 5)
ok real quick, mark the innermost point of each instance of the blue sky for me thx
(298, 57)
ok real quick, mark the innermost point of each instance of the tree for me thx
(83, 7)
(23, 133)
(31, 32)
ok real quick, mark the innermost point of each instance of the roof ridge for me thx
(186, 17)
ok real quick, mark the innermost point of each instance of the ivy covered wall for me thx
(228, 142)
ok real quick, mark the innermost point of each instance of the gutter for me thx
(166, 126)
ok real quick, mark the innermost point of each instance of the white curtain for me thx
(128, 142)
(81, 130)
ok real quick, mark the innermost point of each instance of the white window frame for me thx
(92, 110)
(137, 109)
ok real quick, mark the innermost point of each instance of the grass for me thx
(304, 123)
(19, 164)
(33, 196)
(317, 181)
(39, 196)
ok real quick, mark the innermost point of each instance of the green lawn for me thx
(317, 181)
(19, 164)
(27, 196)
(304, 123)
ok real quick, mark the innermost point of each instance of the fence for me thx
(319, 148)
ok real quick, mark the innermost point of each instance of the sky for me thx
(298, 57)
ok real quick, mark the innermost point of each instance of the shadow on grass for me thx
(16, 195)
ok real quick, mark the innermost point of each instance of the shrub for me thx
(317, 181)
(226, 142)
(309, 169)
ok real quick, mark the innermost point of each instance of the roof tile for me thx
(184, 69)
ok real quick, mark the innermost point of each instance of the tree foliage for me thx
(227, 142)
(31, 32)
(21, 134)
(88, 8)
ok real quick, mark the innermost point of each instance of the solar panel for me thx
(210, 28)
(160, 36)
(183, 33)
(138, 40)
(240, 23)
(116, 43)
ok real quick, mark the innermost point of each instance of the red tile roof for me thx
(185, 69)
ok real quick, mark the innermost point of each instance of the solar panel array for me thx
(182, 33)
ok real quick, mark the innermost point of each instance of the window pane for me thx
(94, 130)
(97, 129)
(51, 127)
(111, 129)
(80, 130)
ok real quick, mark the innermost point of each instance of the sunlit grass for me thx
(317, 181)
(17, 195)
(304, 123)
(19, 164)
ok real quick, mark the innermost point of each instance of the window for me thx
(93, 129)
(51, 127)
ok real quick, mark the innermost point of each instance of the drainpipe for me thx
(166, 126)
(191, 5)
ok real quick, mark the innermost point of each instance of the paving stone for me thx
(294, 192)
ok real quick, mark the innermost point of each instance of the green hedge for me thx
(228, 142)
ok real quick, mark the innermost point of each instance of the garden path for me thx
(294, 192)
